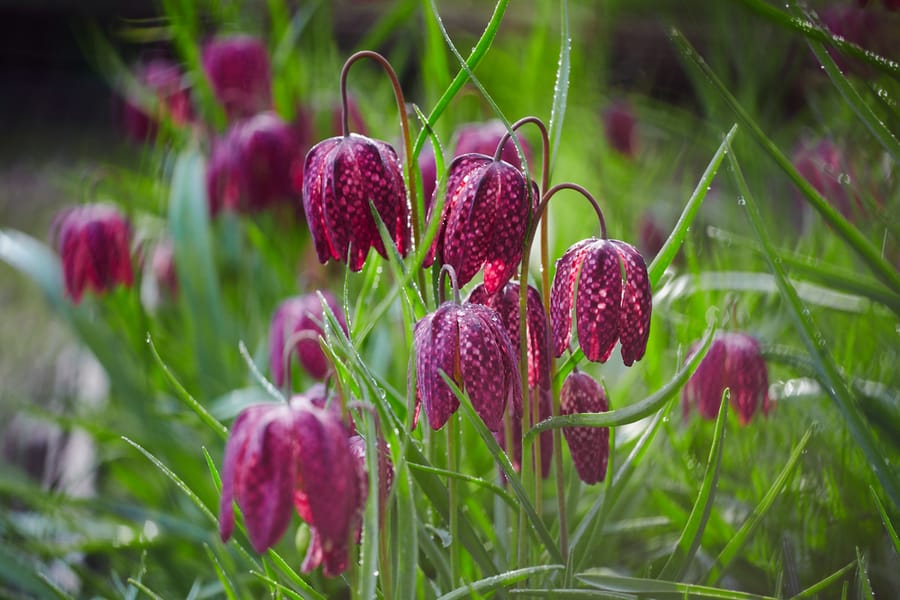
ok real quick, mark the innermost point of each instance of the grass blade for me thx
(496, 581)
(561, 89)
(826, 370)
(692, 534)
(817, 587)
(223, 578)
(886, 520)
(606, 580)
(736, 543)
(854, 238)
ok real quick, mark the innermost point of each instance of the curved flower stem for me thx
(590, 198)
(449, 271)
(404, 127)
(290, 345)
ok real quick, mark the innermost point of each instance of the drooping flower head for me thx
(295, 329)
(164, 80)
(506, 303)
(253, 166)
(589, 446)
(94, 243)
(734, 361)
(239, 72)
(341, 177)
(484, 220)
(469, 343)
(608, 282)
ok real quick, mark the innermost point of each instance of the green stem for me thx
(453, 495)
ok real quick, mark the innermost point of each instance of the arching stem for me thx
(590, 198)
(448, 271)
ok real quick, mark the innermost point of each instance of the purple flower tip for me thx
(589, 446)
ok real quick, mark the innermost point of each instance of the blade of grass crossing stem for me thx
(867, 251)
(737, 541)
(692, 534)
(604, 580)
(175, 479)
(816, 588)
(566, 593)
(367, 573)
(475, 57)
(493, 488)
(503, 461)
(274, 585)
(875, 125)
(406, 541)
(862, 578)
(639, 410)
(886, 520)
(667, 253)
(220, 573)
(561, 89)
(497, 581)
(184, 395)
(826, 370)
(307, 591)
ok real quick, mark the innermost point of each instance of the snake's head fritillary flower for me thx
(164, 80)
(295, 329)
(612, 300)
(482, 138)
(254, 166)
(734, 361)
(484, 220)
(589, 446)
(342, 178)
(620, 126)
(240, 75)
(469, 343)
(94, 243)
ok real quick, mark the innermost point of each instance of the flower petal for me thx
(561, 294)
(485, 356)
(318, 192)
(634, 319)
(598, 301)
(589, 446)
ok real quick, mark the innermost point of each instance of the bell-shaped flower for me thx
(734, 361)
(469, 343)
(506, 303)
(94, 243)
(589, 446)
(295, 329)
(612, 300)
(343, 177)
(484, 220)
(253, 166)
(240, 75)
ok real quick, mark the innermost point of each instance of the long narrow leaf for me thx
(660, 589)
(813, 590)
(561, 89)
(892, 532)
(496, 581)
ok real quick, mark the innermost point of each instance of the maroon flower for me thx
(506, 303)
(589, 446)
(612, 300)
(165, 81)
(253, 166)
(482, 138)
(239, 72)
(824, 166)
(93, 241)
(283, 454)
(484, 220)
(341, 177)
(296, 327)
(468, 342)
(734, 361)
(621, 128)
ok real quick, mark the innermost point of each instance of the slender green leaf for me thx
(692, 534)
(604, 579)
(494, 488)
(864, 586)
(143, 588)
(826, 370)
(406, 547)
(561, 89)
(223, 578)
(276, 585)
(889, 527)
(306, 591)
(576, 593)
(497, 581)
(816, 588)
(737, 541)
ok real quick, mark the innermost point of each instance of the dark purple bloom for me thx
(254, 166)
(295, 329)
(428, 169)
(484, 220)
(94, 243)
(621, 128)
(589, 446)
(482, 138)
(734, 361)
(612, 300)
(469, 343)
(341, 177)
(238, 70)
(165, 81)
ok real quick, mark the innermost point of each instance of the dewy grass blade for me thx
(264, 383)
(406, 541)
(638, 410)
(737, 541)
(826, 370)
(227, 585)
(600, 578)
(494, 488)
(692, 534)
(886, 520)
(813, 590)
(565, 593)
(561, 89)
(503, 461)
(854, 238)
(496, 581)
(667, 253)
(367, 573)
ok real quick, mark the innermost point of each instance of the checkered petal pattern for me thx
(589, 446)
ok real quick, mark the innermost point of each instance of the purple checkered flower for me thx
(94, 243)
(734, 361)
(469, 343)
(341, 177)
(295, 329)
(589, 446)
(484, 220)
(239, 72)
(612, 300)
